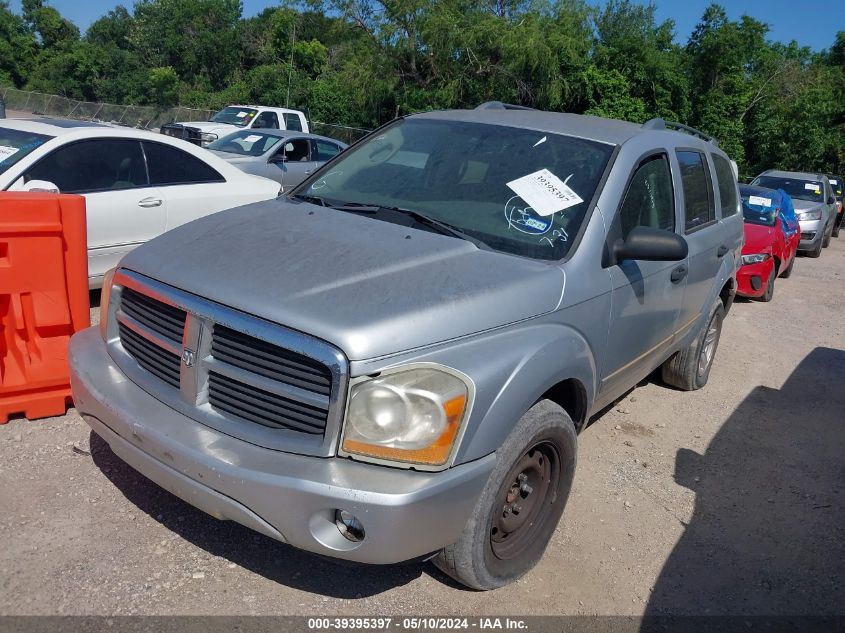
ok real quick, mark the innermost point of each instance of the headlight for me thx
(105, 297)
(207, 137)
(811, 215)
(757, 258)
(410, 416)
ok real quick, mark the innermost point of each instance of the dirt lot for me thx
(725, 501)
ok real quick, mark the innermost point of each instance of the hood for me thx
(806, 205)
(758, 239)
(370, 287)
(208, 126)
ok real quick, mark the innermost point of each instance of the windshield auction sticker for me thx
(6, 151)
(760, 201)
(545, 192)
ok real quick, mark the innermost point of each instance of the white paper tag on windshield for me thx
(545, 192)
(252, 138)
(760, 201)
(834, 182)
(242, 114)
(6, 151)
(811, 187)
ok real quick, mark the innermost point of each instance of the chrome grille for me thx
(231, 371)
(156, 360)
(163, 319)
(263, 407)
(271, 361)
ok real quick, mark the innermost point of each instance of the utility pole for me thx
(290, 66)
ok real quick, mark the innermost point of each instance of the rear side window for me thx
(650, 200)
(172, 166)
(326, 150)
(698, 201)
(95, 165)
(727, 185)
(292, 122)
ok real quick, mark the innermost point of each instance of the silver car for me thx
(281, 155)
(394, 360)
(815, 205)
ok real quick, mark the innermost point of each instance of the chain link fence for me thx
(144, 117)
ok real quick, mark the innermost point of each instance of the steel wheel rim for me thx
(525, 500)
(708, 348)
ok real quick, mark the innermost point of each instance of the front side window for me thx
(267, 120)
(727, 185)
(234, 116)
(95, 165)
(796, 188)
(514, 190)
(698, 201)
(297, 150)
(171, 166)
(15, 144)
(650, 200)
(292, 122)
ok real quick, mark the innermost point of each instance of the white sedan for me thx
(136, 184)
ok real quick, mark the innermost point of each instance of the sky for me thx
(812, 23)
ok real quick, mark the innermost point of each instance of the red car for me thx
(771, 241)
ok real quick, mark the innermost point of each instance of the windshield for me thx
(246, 143)
(15, 144)
(234, 116)
(515, 190)
(759, 210)
(809, 190)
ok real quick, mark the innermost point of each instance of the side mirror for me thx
(831, 200)
(40, 185)
(278, 158)
(649, 244)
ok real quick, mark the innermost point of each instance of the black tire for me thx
(826, 239)
(837, 224)
(788, 270)
(685, 369)
(484, 557)
(816, 252)
(770, 288)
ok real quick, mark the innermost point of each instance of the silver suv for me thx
(393, 361)
(815, 205)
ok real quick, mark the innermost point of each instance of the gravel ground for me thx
(728, 500)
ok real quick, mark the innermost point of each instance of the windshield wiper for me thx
(420, 218)
(312, 199)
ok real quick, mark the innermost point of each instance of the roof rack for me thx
(660, 124)
(498, 105)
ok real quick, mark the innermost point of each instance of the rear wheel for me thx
(689, 369)
(521, 504)
(816, 252)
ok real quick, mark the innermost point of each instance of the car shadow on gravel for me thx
(255, 552)
(766, 534)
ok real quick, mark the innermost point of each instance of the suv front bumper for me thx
(291, 498)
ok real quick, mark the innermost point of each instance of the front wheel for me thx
(770, 287)
(521, 504)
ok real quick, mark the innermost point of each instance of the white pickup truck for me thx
(237, 117)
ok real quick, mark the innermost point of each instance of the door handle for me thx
(149, 202)
(678, 273)
(723, 250)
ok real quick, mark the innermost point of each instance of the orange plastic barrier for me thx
(43, 299)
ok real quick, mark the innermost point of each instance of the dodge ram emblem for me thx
(188, 357)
